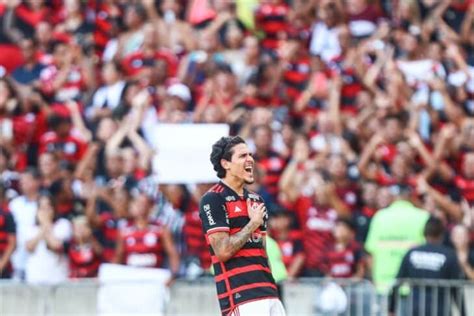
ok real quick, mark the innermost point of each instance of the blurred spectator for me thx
(29, 72)
(83, 250)
(47, 262)
(267, 159)
(107, 212)
(62, 140)
(272, 18)
(24, 210)
(430, 261)
(130, 41)
(345, 259)
(289, 241)
(7, 238)
(197, 252)
(363, 216)
(108, 98)
(144, 243)
(464, 251)
(392, 232)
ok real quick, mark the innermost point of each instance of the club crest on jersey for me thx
(150, 239)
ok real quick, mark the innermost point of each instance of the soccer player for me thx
(234, 221)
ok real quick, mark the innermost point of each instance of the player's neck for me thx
(235, 185)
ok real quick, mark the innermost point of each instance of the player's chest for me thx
(236, 208)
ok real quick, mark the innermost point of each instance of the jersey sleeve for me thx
(213, 214)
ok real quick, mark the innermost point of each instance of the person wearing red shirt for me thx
(107, 213)
(7, 238)
(344, 259)
(148, 54)
(61, 140)
(272, 18)
(317, 218)
(267, 159)
(145, 243)
(83, 250)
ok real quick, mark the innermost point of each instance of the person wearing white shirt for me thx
(108, 97)
(324, 39)
(23, 209)
(47, 262)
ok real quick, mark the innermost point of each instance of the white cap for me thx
(179, 90)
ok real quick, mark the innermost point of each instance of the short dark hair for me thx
(349, 223)
(222, 149)
(434, 228)
(33, 172)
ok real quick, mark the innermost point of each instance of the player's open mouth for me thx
(249, 169)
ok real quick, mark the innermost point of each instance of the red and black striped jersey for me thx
(83, 261)
(273, 20)
(296, 76)
(317, 224)
(342, 263)
(273, 165)
(143, 247)
(192, 230)
(351, 85)
(110, 226)
(246, 276)
(7, 228)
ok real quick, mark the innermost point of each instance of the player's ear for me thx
(225, 164)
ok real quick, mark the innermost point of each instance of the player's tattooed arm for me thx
(225, 246)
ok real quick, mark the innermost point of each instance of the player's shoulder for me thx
(215, 193)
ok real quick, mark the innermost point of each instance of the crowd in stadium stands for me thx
(349, 106)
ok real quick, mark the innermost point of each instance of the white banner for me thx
(183, 152)
(132, 291)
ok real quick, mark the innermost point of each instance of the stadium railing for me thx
(304, 297)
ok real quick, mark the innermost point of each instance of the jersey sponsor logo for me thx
(320, 224)
(207, 210)
(341, 269)
(253, 196)
(230, 198)
(237, 210)
(141, 260)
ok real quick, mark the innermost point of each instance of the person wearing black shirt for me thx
(431, 261)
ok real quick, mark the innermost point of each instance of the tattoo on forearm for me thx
(235, 242)
(238, 240)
